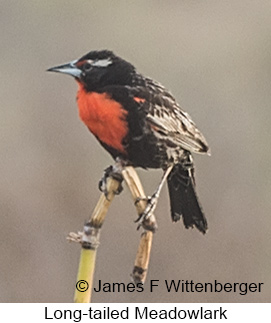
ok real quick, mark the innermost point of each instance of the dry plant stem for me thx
(143, 253)
(140, 269)
(90, 242)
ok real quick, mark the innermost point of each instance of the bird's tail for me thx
(183, 199)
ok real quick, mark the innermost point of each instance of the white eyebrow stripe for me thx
(102, 62)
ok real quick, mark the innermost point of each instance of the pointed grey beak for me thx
(69, 69)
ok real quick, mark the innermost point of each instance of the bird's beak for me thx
(69, 68)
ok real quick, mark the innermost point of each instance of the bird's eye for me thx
(87, 67)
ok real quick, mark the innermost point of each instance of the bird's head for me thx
(98, 69)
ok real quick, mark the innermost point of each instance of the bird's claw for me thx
(139, 199)
(102, 183)
(110, 172)
(149, 209)
(119, 190)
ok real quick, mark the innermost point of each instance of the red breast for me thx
(104, 117)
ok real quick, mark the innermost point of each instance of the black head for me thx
(98, 69)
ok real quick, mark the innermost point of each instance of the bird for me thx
(137, 120)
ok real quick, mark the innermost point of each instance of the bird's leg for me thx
(152, 200)
(114, 172)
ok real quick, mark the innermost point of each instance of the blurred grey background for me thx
(215, 57)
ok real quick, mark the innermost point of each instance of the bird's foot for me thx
(114, 173)
(144, 218)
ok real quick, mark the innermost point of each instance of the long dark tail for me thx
(183, 198)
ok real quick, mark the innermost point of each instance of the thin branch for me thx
(140, 269)
(90, 241)
(89, 238)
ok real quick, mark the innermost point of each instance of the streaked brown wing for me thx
(178, 127)
(167, 118)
